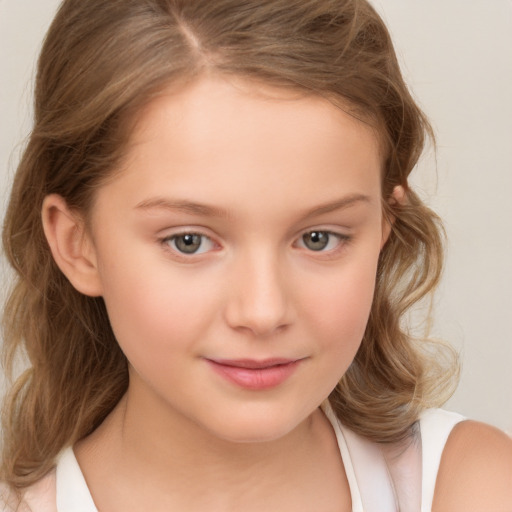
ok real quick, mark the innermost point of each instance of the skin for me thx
(252, 170)
(476, 471)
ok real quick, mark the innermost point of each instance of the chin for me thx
(246, 428)
(249, 436)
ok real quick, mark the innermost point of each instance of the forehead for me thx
(218, 97)
(231, 140)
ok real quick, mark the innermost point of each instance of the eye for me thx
(321, 240)
(190, 243)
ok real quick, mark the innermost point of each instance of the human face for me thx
(237, 251)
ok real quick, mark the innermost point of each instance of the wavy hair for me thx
(101, 62)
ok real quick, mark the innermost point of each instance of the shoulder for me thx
(475, 473)
(39, 497)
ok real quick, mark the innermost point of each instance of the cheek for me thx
(335, 317)
(153, 311)
(340, 311)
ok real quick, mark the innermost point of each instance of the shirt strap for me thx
(72, 491)
(436, 425)
(369, 479)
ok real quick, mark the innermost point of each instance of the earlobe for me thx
(70, 245)
(397, 197)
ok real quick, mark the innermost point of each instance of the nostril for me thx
(262, 317)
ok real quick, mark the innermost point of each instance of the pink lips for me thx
(255, 375)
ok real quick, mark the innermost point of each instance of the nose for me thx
(258, 298)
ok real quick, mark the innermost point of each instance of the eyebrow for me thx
(339, 204)
(200, 209)
(161, 203)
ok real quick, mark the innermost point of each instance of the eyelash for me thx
(342, 240)
(169, 242)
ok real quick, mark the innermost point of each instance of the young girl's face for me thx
(236, 252)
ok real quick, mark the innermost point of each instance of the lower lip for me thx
(255, 378)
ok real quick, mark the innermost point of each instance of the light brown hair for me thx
(101, 62)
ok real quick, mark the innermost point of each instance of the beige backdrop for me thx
(457, 57)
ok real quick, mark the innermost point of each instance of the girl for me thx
(215, 244)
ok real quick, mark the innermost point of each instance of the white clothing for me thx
(380, 479)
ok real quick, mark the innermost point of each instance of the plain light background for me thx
(457, 57)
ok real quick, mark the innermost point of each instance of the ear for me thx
(71, 246)
(396, 197)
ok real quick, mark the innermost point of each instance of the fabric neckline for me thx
(72, 490)
(357, 504)
(370, 470)
(370, 482)
(74, 494)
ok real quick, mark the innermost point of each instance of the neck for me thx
(178, 461)
(174, 445)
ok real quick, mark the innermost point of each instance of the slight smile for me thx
(255, 374)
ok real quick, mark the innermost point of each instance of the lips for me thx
(255, 374)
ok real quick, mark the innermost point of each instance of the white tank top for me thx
(381, 479)
(384, 478)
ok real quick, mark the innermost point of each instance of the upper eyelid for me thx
(170, 232)
(342, 236)
(324, 230)
(185, 232)
(341, 232)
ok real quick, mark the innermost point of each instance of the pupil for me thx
(316, 240)
(188, 243)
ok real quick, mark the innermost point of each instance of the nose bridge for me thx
(258, 299)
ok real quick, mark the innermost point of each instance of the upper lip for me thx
(254, 364)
